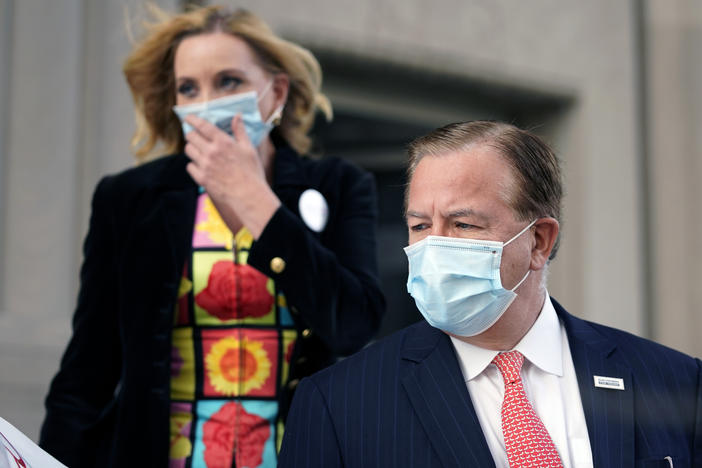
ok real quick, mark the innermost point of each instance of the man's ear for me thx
(545, 235)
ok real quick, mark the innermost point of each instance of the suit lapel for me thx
(440, 398)
(609, 413)
(178, 216)
(175, 207)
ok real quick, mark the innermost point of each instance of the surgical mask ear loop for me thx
(528, 271)
(277, 114)
(276, 117)
(521, 281)
(265, 91)
(520, 232)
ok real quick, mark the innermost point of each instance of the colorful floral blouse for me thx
(232, 341)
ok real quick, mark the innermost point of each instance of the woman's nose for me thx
(205, 96)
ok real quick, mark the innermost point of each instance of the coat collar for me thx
(288, 169)
(288, 166)
(171, 174)
(442, 403)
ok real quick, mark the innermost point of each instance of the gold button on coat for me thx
(277, 265)
(306, 333)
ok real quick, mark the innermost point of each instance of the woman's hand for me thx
(232, 173)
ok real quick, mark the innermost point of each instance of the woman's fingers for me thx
(203, 127)
(225, 166)
(195, 173)
(239, 130)
(194, 153)
(204, 132)
(197, 139)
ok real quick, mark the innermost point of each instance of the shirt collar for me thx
(541, 346)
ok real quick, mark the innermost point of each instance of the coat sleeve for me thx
(81, 395)
(310, 437)
(330, 281)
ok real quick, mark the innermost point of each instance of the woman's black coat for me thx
(109, 403)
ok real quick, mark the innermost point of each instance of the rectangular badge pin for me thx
(612, 383)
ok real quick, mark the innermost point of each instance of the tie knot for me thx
(509, 364)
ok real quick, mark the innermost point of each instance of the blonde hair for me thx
(149, 73)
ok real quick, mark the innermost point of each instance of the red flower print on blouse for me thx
(232, 430)
(235, 291)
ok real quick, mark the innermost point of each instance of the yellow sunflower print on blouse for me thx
(246, 366)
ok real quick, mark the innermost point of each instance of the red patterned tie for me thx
(526, 439)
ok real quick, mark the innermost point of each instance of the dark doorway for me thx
(379, 107)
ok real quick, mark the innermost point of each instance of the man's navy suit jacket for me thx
(403, 402)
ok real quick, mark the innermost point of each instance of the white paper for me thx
(18, 451)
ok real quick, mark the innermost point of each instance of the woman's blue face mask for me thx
(221, 111)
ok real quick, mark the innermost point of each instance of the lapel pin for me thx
(612, 383)
(314, 210)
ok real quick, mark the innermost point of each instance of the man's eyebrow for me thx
(467, 213)
(461, 213)
(415, 214)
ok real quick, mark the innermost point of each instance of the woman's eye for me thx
(187, 89)
(229, 82)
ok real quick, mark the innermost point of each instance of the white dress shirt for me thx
(550, 384)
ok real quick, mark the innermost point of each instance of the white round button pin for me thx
(313, 209)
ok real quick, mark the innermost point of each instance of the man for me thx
(499, 374)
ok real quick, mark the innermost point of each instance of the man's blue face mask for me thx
(456, 282)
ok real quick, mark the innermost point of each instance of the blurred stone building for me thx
(613, 85)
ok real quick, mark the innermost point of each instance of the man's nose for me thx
(439, 229)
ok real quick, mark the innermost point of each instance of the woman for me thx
(215, 279)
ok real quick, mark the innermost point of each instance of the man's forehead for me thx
(467, 183)
(482, 158)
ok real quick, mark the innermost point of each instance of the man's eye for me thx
(464, 226)
(418, 227)
(187, 89)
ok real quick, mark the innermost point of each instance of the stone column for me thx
(674, 59)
